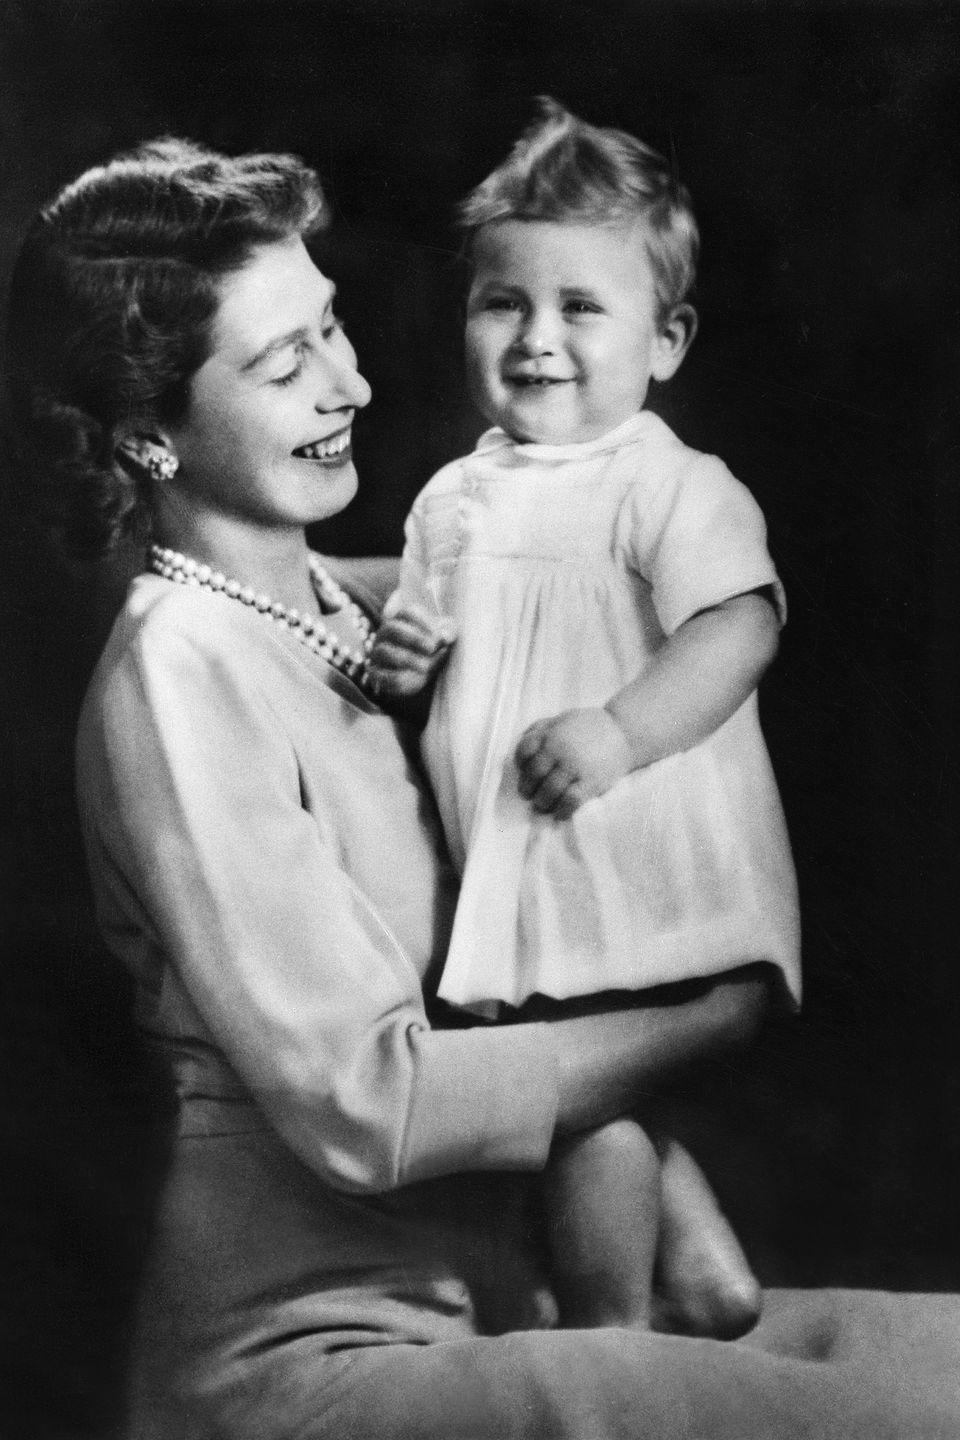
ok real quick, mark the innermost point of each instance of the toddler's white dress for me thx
(564, 567)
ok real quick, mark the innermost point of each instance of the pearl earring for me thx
(162, 466)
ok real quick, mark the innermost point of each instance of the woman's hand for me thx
(408, 650)
(570, 758)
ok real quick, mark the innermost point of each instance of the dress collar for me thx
(633, 429)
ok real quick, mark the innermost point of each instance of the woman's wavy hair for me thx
(110, 305)
(563, 170)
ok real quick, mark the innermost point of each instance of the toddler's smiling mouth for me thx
(542, 382)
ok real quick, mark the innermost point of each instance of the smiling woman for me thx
(267, 435)
(348, 1241)
(264, 447)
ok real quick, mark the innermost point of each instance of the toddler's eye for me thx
(501, 302)
(581, 307)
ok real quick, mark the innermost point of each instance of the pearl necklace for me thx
(308, 629)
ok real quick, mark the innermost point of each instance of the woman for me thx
(265, 860)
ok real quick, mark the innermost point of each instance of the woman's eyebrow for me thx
(290, 337)
(279, 342)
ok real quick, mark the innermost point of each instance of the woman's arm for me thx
(269, 842)
(699, 677)
(596, 1066)
(612, 1063)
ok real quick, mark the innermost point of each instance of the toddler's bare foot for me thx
(703, 1281)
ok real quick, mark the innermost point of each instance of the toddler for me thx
(593, 738)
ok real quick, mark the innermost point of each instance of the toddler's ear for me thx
(673, 341)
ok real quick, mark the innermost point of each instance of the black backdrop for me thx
(819, 142)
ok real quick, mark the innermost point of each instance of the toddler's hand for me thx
(570, 758)
(409, 648)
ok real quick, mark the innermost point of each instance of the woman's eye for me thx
(333, 327)
(502, 302)
(581, 307)
(296, 369)
(290, 376)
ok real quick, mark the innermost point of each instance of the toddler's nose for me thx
(539, 334)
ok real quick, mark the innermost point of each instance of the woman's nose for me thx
(343, 388)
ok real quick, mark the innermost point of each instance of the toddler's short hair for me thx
(563, 170)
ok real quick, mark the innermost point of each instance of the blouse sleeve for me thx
(698, 539)
(298, 979)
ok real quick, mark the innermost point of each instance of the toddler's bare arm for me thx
(697, 680)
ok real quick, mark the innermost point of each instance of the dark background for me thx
(819, 143)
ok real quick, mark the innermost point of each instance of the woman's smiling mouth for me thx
(332, 451)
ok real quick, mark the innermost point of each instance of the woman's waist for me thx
(417, 1265)
(211, 1098)
(244, 1177)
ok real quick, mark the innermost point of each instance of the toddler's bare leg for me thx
(602, 1205)
(704, 1283)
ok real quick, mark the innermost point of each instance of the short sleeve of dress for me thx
(698, 538)
(415, 561)
(192, 795)
(430, 541)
